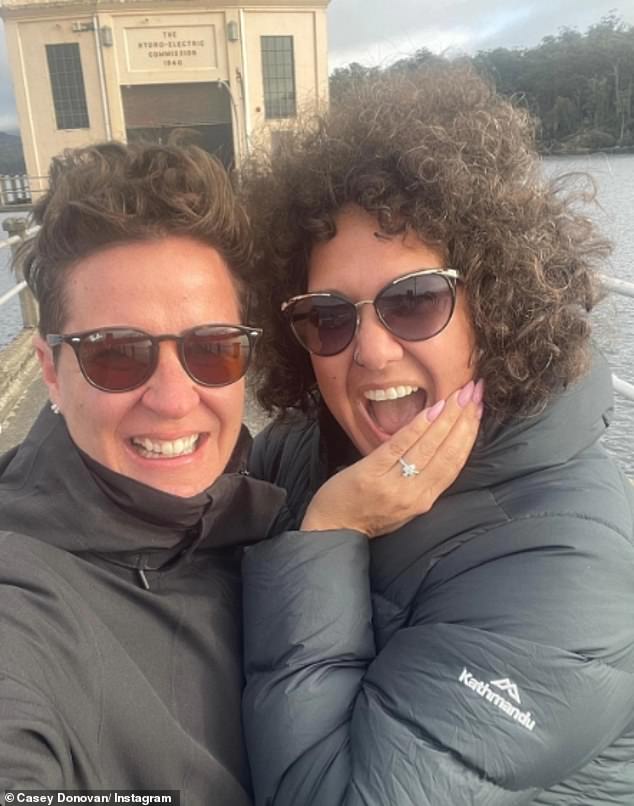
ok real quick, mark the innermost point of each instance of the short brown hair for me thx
(113, 193)
(438, 153)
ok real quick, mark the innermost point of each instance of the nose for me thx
(170, 393)
(375, 346)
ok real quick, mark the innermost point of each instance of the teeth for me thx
(154, 448)
(391, 393)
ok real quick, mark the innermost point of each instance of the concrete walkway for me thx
(22, 393)
(22, 416)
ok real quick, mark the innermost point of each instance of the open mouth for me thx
(393, 407)
(165, 448)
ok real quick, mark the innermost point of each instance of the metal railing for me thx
(624, 289)
(15, 189)
(12, 292)
(18, 232)
(29, 310)
(20, 189)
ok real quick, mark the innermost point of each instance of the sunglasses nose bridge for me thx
(170, 392)
(358, 305)
(357, 314)
(361, 302)
(177, 351)
(376, 345)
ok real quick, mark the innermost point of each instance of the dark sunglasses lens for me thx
(116, 360)
(324, 325)
(416, 308)
(216, 356)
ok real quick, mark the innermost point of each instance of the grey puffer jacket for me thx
(483, 654)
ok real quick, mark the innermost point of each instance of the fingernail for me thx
(466, 393)
(480, 409)
(434, 411)
(478, 392)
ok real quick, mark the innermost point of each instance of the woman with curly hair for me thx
(410, 254)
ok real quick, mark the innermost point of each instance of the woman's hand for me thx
(373, 496)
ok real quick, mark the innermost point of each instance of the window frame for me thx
(68, 88)
(278, 76)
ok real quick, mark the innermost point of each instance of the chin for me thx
(183, 490)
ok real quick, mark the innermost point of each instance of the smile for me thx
(391, 393)
(165, 448)
(390, 408)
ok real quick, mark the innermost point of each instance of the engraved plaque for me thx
(171, 48)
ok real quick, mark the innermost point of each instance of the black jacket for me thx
(113, 675)
(483, 654)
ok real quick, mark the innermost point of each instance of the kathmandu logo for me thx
(510, 688)
(485, 691)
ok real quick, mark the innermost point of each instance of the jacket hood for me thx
(50, 490)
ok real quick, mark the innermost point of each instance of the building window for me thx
(67, 83)
(278, 73)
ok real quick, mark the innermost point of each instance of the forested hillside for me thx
(579, 86)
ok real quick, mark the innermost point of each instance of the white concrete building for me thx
(92, 70)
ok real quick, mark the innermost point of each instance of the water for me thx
(614, 320)
(10, 316)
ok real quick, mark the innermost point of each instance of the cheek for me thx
(447, 364)
(96, 417)
(92, 415)
(325, 371)
(331, 375)
(227, 405)
(458, 345)
(93, 426)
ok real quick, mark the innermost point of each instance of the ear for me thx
(47, 365)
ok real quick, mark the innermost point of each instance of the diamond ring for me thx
(408, 470)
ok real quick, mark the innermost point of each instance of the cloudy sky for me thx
(380, 31)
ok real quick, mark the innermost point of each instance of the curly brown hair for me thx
(113, 193)
(438, 153)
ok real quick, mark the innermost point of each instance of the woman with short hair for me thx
(124, 510)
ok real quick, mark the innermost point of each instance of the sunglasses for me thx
(413, 307)
(119, 359)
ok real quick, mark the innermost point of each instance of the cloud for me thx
(375, 32)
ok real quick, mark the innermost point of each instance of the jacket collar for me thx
(50, 490)
(571, 422)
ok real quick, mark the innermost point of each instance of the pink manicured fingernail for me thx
(478, 392)
(466, 393)
(435, 410)
(480, 409)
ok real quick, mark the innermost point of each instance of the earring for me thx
(54, 408)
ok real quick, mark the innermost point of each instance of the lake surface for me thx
(10, 317)
(614, 320)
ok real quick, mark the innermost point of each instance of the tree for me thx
(573, 83)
